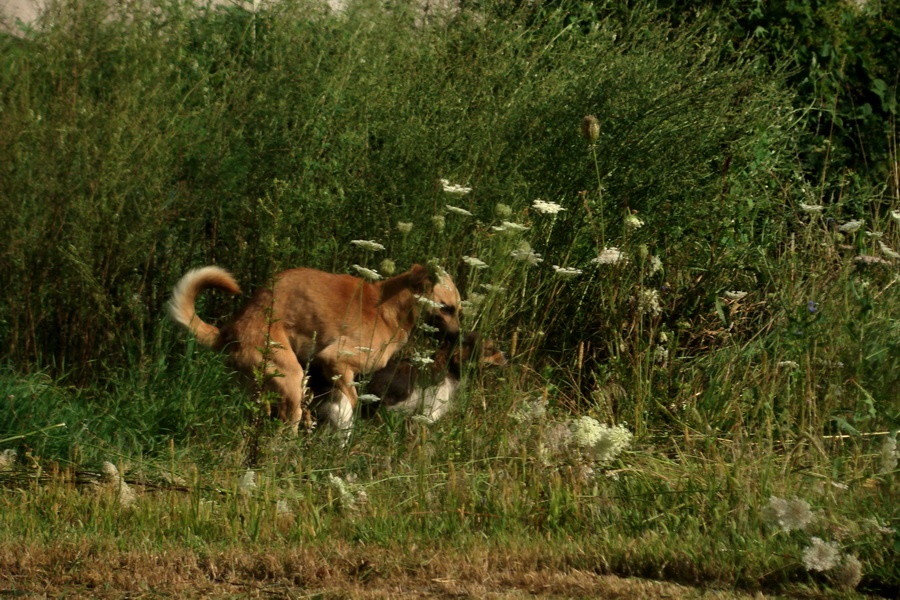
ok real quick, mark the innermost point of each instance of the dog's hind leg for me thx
(285, 377)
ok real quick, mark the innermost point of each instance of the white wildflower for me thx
(503, 211)
(874, 234)
(849, 573)
(370, 245)
(248, 481)
(610, 256)
(428, 303)
(475, 299)
(547, 208)
(821, 556)
(524, 253)
(889, 455)
(661, 355)
(283, 509)
(735, 295)
(868, 259)
(8, 459)
(404, 227)
(369, 274)
(788, 364)
(788, 514)
(454, 189)
(457, 210)
(648, 302)
(439, 222)
(475, 263)
(601, 442)
(632, 222)
(115, 481)
(510, 227)
(811, 208)
(530, 410)
(895, 214)
(430, 329)
(887, 250)
(420, 360)
(343, 491)
(368, 398)
(566, 273)
(851, 226)
(655, 264)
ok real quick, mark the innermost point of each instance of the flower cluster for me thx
(599, 441)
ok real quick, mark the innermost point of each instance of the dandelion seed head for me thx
(821, 556)
(546, 208)
(369, 245)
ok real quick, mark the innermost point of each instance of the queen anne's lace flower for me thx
(475, 263)
(599, 441)
(457, 210)
(632, 222)
(811, 208)
(821, 556)
(610, 256)
(547, 208)
(788, 514)
(566, 273)
(404, 227)
(851, 226)
(509, 227)
(454, 189)
(370, 274)
(368, 245)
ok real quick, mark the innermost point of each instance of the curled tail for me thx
(184, 297)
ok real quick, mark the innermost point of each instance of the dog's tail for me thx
(184, 297)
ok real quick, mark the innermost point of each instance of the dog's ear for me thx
(420, 279)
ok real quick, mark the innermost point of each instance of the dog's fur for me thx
(426, 390)
(347, 325)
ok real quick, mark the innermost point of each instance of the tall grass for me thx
(677, 278)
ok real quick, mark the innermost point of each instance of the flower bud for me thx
(590, 129)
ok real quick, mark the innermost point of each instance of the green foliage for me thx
(690, 275)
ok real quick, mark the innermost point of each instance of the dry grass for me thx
(85, 570)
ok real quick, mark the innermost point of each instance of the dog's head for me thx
(485, 351)
(442, 298)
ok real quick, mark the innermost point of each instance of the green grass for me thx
(142, 144)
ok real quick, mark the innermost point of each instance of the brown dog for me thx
(347, 325)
